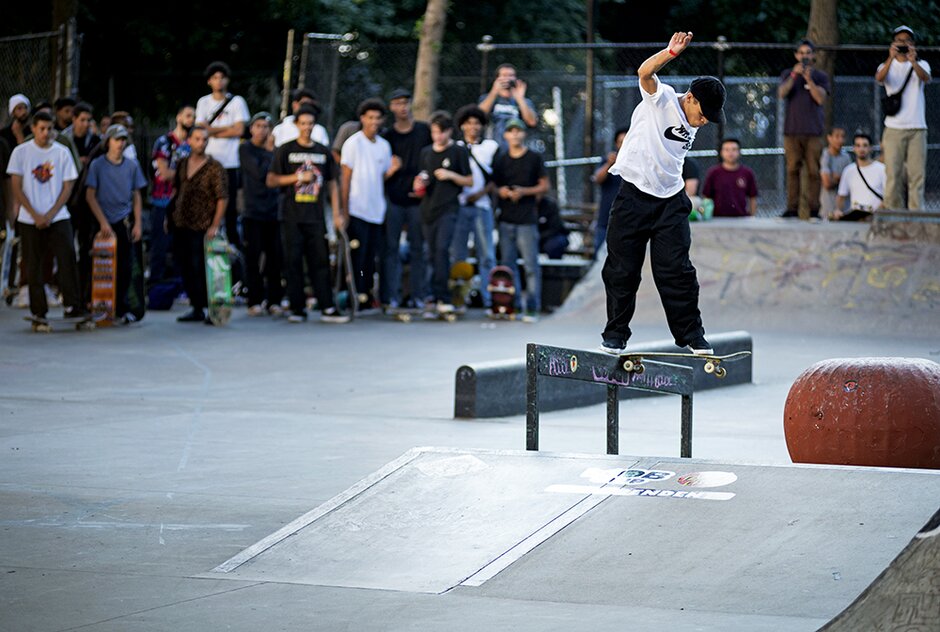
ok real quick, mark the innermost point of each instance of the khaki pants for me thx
(905, 154)
(800, 151)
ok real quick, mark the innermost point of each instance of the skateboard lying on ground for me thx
(407, 314)
(633, 362)
(502, 293)
(218, 279)
(104, 280)
(45, 325)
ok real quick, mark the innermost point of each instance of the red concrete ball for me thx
(866, 411)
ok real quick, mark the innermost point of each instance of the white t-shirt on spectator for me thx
(369, 160)
(286, 131)
(225, 150)
(44, 171)
(852, 187)
(911, 114)
(660, 136)
(483, 152)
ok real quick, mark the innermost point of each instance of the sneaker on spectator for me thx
(22, 298)
(192, 316)
(256, 310)
(613, 346)
(700, 346)
(332, 315)
(52, 297)
(129, 318)
(297, 318)
(444, 308)
(275, 311)
(530, 317)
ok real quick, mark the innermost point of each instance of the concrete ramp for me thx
(790, 546)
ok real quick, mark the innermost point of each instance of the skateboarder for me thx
(652, 205)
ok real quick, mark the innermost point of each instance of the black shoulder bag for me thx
(891, 103)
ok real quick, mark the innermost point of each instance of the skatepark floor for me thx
(135, 460)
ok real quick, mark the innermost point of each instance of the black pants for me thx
(189, 248)
(85, 227)
(123, 267)
(57, 240)
(438, 235)
(363, 258)
(231, 208)
(263, 236)
(307, 242)
(637, 218)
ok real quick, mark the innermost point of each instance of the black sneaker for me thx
(613, 346)
(789, 214)
(192, 316)
(700, 346)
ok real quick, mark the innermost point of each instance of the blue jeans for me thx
(516, 239)
(477, 221)
(396, 218)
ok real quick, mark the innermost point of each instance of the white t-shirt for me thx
(484, 152)
(225, 150)
(369, 160)
(286, 131)
(911, 115)
(852, 187)
(44, 173)
(660, 136)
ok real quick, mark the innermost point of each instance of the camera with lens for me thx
(903, 49)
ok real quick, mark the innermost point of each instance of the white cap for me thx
(16, 99)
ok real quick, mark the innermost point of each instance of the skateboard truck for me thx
(633, 362)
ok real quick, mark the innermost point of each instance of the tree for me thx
(429, 57)
(823, 30)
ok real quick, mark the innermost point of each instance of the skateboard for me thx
(136, 295)
(461, 274)
(344, 285)
(44, 325)
(407, 314)
(633, 362)
(218, 279)
(104, 280)
(502, 293)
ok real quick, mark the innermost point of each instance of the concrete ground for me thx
(135, 460)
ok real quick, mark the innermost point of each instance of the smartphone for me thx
(903, 49)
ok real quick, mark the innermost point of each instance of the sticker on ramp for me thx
(707, 479)
(638, 491)
(620, 476)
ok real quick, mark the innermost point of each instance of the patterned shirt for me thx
(168, 147)
(197, 197)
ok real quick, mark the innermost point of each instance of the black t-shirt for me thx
(303, 203)
(407, 147)
(524, 171)
(86, 144)
(260, 200)
(691, 171)
(442, 195)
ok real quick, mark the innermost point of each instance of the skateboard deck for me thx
(459, 283)
(407, 314)
(218, 280)
(502, 293)
(633, 362)
(104, 281)
(45, 325)
(344, 285)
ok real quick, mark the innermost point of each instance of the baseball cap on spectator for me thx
(259, 116)
(711, 97)
(116, 131)
(905, 29)
(399, 93)
(218, 66)
(18, 99)
(63, 102)
(515, 124)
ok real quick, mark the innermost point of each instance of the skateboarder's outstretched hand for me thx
(679, 42)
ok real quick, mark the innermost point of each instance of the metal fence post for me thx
(613, 420)
(485, 46)
(531, 398)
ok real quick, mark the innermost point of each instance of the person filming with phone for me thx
(904, 141)
(506, 101)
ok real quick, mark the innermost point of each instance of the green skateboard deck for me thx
(219, 280)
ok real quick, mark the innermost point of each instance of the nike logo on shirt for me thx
(677, 133)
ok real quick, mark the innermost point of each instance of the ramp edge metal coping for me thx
(605, 370)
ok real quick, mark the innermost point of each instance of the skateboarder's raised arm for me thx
(655, 62)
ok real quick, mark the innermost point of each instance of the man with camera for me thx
(904, 141)
(805, 89)
(507, 101)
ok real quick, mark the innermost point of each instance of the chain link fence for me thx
(560, 77)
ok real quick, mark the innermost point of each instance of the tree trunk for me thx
(823, 29)
(429, 58)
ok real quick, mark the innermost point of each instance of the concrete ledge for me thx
(497, 389)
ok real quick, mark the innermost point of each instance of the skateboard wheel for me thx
(720, 372)
(450, 318)
(628, 366)
(639, 369)
(405, 318)
(709, 367)
(353, 243)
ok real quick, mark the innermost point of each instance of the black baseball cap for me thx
(711, 96)
(399, 93)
